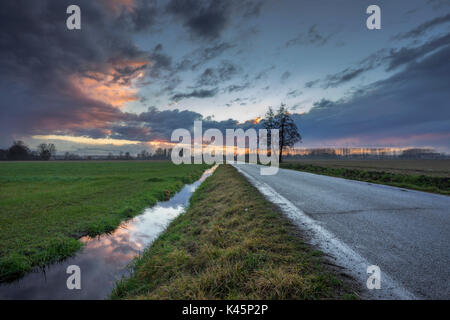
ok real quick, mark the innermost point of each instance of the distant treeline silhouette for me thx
(20, 151)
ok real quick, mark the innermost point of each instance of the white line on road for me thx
(332, 246)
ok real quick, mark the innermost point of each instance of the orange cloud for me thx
(113, 86)
(111, 93)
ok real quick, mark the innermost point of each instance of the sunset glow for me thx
(87, 140)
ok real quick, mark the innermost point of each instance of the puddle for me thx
(103, 259)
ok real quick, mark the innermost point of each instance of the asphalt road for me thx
(404, 232)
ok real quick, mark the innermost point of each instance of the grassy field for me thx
(433, 168)
(230, 244)
(423, 175)
(46, 206)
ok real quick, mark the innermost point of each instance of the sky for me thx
(137, 70)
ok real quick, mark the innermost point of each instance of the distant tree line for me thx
(159, 154)
(20, 151)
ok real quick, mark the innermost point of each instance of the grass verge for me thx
(417, 182)
(46, 206)
(230, 244)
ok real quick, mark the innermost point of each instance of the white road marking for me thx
(328, 243)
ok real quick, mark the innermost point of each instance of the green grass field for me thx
(231, 244)
(46, 206)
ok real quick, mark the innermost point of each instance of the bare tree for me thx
(46, 151)
(282, 121)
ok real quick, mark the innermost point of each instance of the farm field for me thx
(436, 168)
(46, 206)
(423, 175)
(231, 244)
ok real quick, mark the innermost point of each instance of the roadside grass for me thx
(417, 182)
(230, 244)
(46, 206)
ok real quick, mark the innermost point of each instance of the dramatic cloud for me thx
(404, 56)
(420, 30)
(213, 77)
(337, 79)
(237, 88)
(207, 19)
(159, 61)
(409, 108)
(203, 93)
(392, 59)
(90, 86)
(159, 125)
(53, 79)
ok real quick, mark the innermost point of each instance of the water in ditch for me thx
(104, 259)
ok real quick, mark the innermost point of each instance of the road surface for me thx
(405, 233)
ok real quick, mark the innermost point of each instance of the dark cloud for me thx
(214, 76)
(263, 73)
(342, 77)
(55, 81)
(392, 59)
(159, 61)
(323, 104)
(205, 19)
(214, 51)
(142, 15)
(311, 37)
(237, 88)
(172, 83)
(159, 124)
(135, 133)
(397, 58)
(409, 108)
(334, 80)
(202, 55)
(311, 83)
(424, 27)
(286, 75)
(52, 79)
(41, 62)
(293, 93)
(202, 93)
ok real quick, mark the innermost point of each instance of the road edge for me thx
(327, 242)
